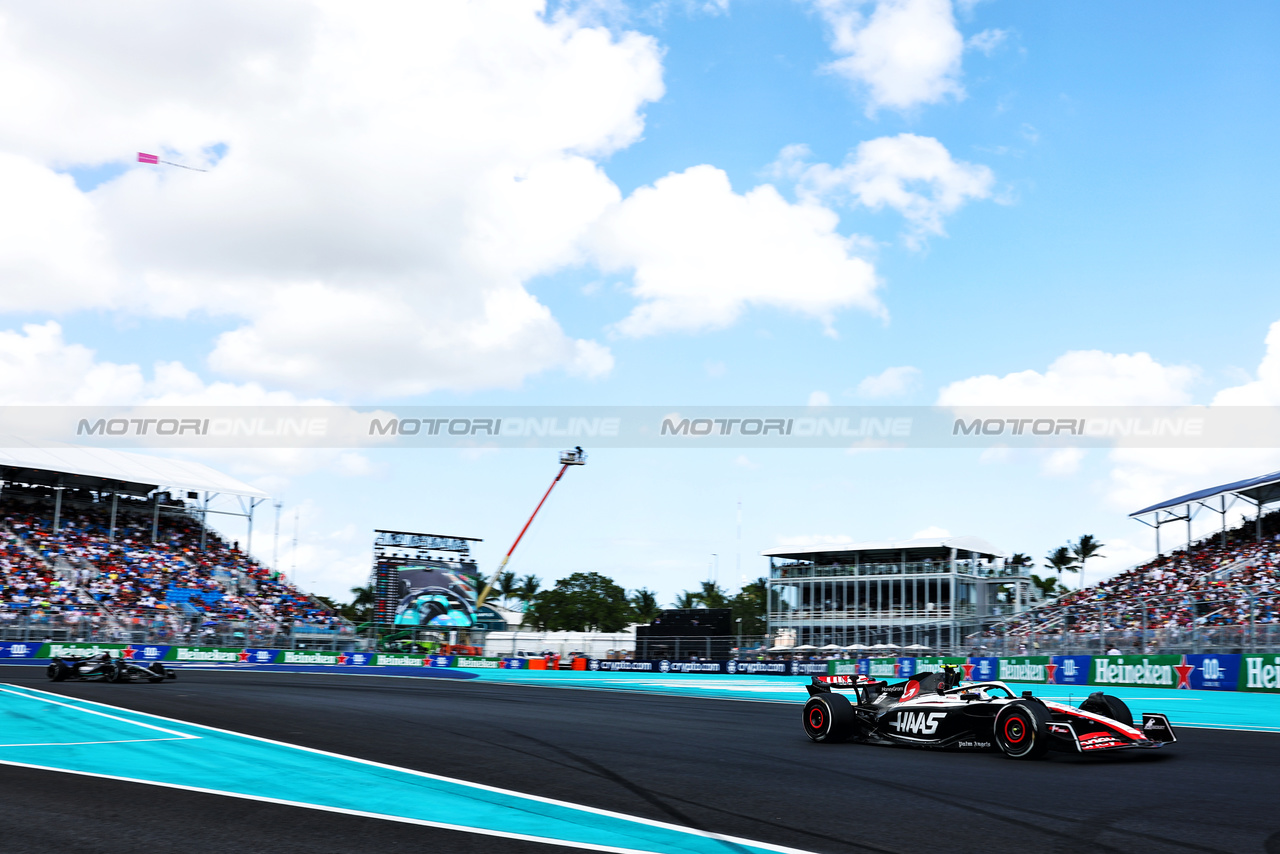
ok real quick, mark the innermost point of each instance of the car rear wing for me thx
(859, 684)
(825, 684)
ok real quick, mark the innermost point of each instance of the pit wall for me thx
(1255, 673)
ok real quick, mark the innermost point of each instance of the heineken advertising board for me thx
(1260, 673)
(1035, 669)
(1149, 671)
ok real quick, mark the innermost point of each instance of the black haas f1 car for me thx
(935, 710)
(104, 668)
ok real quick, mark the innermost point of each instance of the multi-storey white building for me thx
(931, 591)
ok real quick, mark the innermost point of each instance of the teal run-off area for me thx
(1214, 709)
(55, 732)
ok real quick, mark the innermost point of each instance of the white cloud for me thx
(1265, 390)
(1080, 377)
(913, 175)
(38, 366)
(988, 40)
(904, 54)
(1138, 477)
(703, 254)
(931, 532)
(890, 382)
(52, 252)
(402, 167)
(1061, 462)
(819, 398)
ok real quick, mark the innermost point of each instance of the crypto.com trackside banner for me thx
(641, 427)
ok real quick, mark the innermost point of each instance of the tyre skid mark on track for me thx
(656, 798)
(986, 810)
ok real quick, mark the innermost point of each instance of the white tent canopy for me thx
(125, 471)
(964, 543)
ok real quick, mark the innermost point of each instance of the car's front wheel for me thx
(829, 718)
(1022, 730)
(1109, 707)
(58, 671)
(157, 671)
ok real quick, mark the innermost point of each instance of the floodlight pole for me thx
(567, 458)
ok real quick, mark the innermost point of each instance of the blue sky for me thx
(602, 203)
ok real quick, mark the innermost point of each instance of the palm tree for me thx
(527, 590)
(1048, 586)
(1019, 559)
(365, 599)
(711, 596)
(687, 600)
(644, 602)
(1061, 559)
(1087, 547)
(506, 586)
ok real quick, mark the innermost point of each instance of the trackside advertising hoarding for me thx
(1209, 671)
(1149, 671)
(1215, 672)
(1034, 669)
(1070, 669)
(1260, 673)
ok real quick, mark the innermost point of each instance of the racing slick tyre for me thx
(58, 671)
(829, 718)
(1108, 706)
(1022, 730)
(117, 674)
(157, 670)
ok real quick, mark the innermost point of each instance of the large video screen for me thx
(431, 594)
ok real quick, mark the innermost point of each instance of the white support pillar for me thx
(114, 497)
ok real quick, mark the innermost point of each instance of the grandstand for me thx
(911, 593)
(1219, 593)
(99, 545)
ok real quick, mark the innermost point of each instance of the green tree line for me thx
(589, 601)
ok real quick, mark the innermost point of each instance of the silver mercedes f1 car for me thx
(935, 710)
(104, 668)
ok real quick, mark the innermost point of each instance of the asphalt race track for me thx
(738, 768)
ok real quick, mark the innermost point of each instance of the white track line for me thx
(781, 849)
(175, 735)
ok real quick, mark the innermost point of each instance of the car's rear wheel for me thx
(1022, 730)
(829, 718)
(58, 671)
(1108, 706)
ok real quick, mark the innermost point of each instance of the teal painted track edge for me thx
(1226, 710)
(595, 829)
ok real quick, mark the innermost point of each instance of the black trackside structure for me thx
(934, 710)
(104, 668)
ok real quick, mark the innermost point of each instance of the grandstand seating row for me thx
(188, 583)
(1222, 580)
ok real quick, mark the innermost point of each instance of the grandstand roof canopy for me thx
(1261, 490)
(106, 468)
(970, 544)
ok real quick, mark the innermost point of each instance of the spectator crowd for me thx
(186, 583)
(1230, 579)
